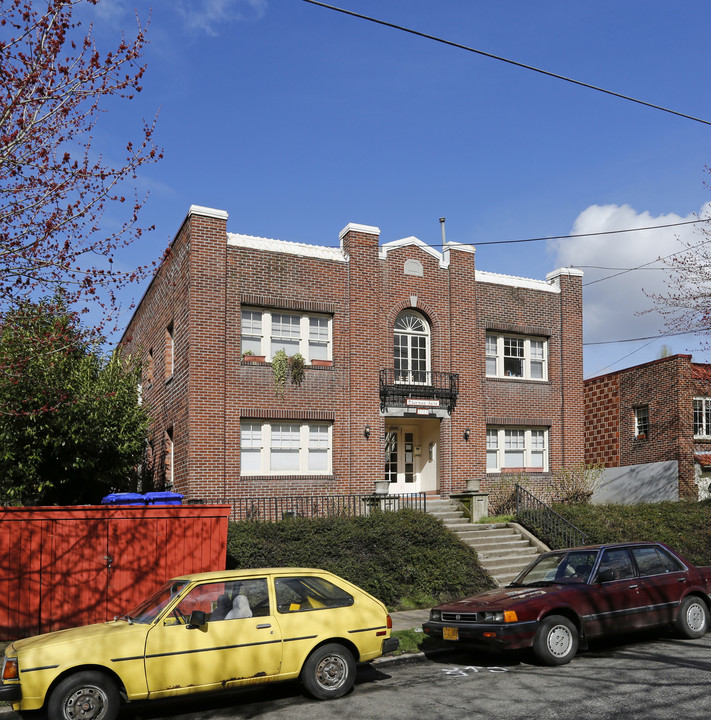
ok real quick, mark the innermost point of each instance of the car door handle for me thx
(681, 579)
(633, 587)
(263, 626)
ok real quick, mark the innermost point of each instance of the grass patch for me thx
(406, 559)
(412, 641)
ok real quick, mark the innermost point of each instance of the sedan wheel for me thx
(84, 696)
(556, 641)
(692, 621)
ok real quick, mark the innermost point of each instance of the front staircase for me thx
(504, 549)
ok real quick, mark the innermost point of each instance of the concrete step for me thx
(503, 552)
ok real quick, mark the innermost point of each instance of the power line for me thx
(648, 337)
(510, 62)
(594, 234)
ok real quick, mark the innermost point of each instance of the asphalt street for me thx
(651, 676)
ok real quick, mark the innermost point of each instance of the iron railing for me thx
(546, 523)
(271, 509)
(396, 386)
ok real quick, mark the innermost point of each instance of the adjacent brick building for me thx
(418, 368)
(650, 413)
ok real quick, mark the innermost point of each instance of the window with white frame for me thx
(265, 332)
(510, 448)
(702, 417)
(516, 356)
(285, 448)
(641, 422)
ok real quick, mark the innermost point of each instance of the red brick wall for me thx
(667, 388)
(203, 284)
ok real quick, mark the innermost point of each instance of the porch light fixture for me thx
(366, 432)
(467, 433)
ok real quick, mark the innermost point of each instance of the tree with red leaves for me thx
(55, 186)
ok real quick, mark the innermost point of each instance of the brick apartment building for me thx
(418, 368)
(651, 413)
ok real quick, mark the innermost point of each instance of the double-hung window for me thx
(265, 332)
(641, 422)
(702, 417)
(516, 449)
(516, 356)
(285, 448)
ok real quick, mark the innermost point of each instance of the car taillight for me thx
(9, 670)
(390, 623)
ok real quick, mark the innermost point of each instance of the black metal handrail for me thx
(540, 518)
(271, 509)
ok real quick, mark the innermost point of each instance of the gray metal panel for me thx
(632, 484)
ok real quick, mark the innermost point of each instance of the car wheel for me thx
(329, 672)
(85, 696)
(692, 620)
(556, 640)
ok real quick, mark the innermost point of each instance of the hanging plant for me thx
(296, 365)
(280, 366)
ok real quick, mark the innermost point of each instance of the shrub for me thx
(397, 557)
(575, 484)
(684, 525)
(502, 493)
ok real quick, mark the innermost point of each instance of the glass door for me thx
(401, 459)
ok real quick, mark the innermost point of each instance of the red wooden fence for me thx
(67, 566)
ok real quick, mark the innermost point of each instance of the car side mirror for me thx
(605, 576)
(197, 618)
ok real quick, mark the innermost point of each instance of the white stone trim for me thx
(513, 281)
(321, 252)
(355, 227)
(208, 212)
(385, 248)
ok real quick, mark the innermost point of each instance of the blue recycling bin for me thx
(163, 498)
(124, 498)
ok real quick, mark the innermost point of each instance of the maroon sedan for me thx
(566, 597)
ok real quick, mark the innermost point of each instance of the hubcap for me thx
(695, 617)
(85, 703)
(331, 672)
(559, 641)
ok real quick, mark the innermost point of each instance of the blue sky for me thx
(298, 120)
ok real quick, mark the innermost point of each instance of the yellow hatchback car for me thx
(204, 632)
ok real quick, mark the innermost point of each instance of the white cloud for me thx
(616, 304)
(209, 16)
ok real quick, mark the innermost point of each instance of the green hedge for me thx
(397, 557)
(684, 526)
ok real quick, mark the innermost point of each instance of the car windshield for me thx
(149, 609)
(570, 566)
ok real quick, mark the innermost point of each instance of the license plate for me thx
(450, 633)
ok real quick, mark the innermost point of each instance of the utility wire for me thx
(648, 337)
(510, 62)
(582, 235)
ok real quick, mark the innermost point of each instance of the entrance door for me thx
(402, 462)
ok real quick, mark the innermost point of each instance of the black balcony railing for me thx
(270, 509)
(403, 388)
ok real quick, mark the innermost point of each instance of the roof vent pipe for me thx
(441, 222)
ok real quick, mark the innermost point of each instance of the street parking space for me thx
(650, 676)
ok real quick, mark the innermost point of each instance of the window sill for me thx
(497, 378)
(295, 477)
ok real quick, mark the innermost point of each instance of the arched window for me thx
(412, 348)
